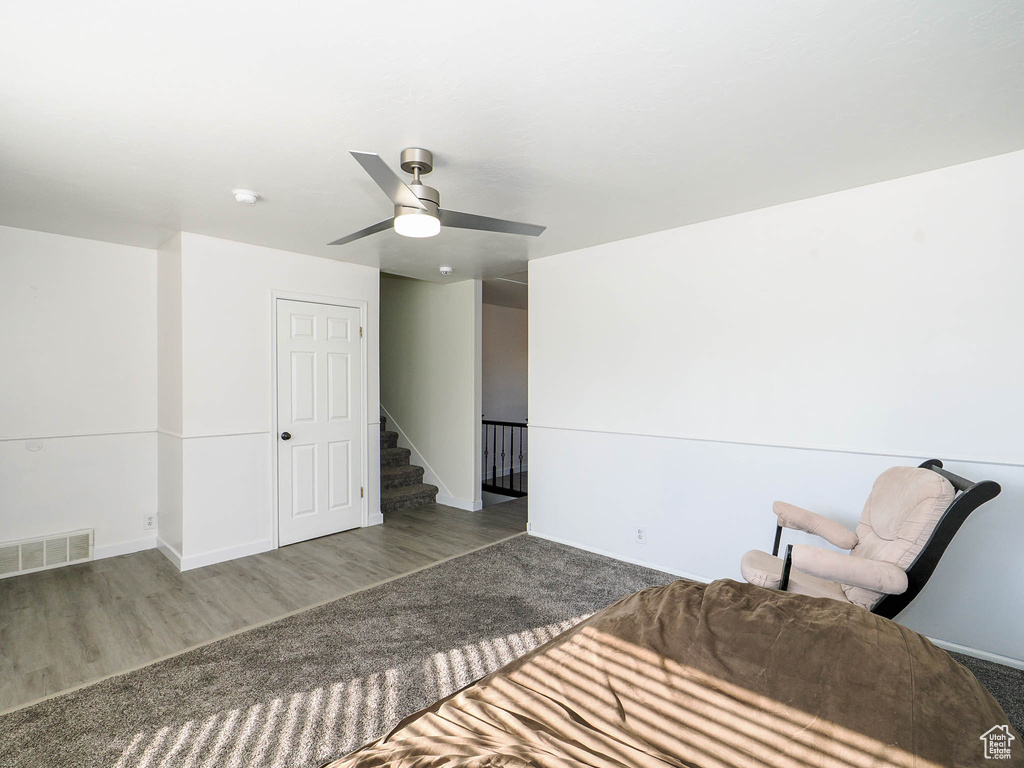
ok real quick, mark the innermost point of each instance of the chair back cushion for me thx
(905, 505)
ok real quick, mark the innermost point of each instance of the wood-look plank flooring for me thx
(69, 626)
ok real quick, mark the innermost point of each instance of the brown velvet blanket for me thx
(725, 674)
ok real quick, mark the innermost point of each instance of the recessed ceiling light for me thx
(245, 196)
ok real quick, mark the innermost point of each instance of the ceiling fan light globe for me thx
(416, 224)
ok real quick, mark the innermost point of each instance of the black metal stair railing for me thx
(505, 447)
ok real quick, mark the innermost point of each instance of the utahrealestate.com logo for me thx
(997, 742)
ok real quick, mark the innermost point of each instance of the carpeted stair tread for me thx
(407, 497)
(411, 490)
(396, 477)
(401, 482)
(394, 457)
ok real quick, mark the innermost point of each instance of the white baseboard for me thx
(614, 556)
(192, 562)
(169, 552)
(125, 547)
(1006, 661)
(451, 501)
(375, 519)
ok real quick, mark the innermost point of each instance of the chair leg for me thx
(778, 540)
(787, 564)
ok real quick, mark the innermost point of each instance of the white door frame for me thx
(364, 479)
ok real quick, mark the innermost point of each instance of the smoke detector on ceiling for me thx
(245, 196)
(446, 271)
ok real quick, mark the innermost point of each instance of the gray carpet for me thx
(316, 685)
(1006, 685)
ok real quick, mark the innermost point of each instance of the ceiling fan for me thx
(417, 206)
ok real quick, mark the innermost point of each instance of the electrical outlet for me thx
(149, 521)
(640, 534)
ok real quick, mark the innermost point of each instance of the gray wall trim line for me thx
(820, 449)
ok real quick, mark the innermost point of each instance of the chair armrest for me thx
(799, 519)
(847, 569)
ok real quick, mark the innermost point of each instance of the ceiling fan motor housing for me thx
(429, 196)
(419, 161)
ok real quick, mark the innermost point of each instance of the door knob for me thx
(286, 436)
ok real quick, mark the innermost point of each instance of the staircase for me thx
(401, 483)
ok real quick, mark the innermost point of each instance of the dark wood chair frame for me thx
(969, 497)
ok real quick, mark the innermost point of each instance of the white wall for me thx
(78, 337)
(145, 376)
(227, 497)
(169, 403)
(505, 363)
(226, 326)
(228, 450)
(430, 355)
(686, 379)
(169, 360)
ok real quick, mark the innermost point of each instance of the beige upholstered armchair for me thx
(908, 521)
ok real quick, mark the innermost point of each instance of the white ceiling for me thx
(127, 121)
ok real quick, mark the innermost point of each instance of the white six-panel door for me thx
(319, 415)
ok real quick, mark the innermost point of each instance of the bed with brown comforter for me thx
(725, 674)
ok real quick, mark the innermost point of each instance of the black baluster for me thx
(521, 438)
(503, 451)
(514, 453)
(512, 458)
(511, 462)
(494, 454)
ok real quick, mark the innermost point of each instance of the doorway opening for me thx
(504, 431)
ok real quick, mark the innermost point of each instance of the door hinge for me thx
(360, 331)
(361, 492)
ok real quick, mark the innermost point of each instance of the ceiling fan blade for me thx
(373, 229)
(487, 224)
(388, 180)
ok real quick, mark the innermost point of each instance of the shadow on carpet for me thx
(318, 684)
